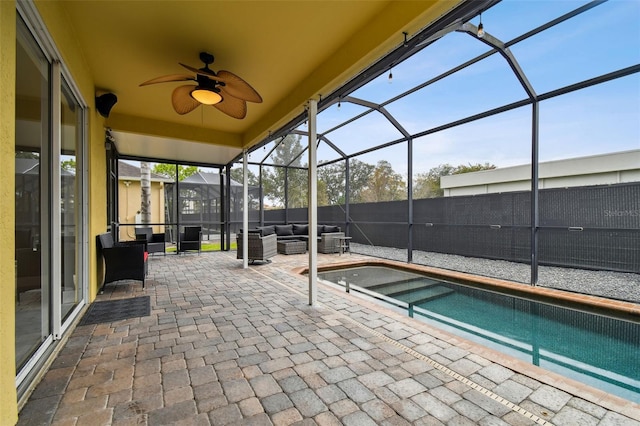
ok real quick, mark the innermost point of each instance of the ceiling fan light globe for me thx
(206, 96)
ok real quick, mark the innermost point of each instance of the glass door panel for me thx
(31, 171)
(70, 205)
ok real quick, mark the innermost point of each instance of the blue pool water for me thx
(597, 350)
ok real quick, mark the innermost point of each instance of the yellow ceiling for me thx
(289, 51)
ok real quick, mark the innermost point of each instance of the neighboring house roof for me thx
(603, 169)
(200, 178)
(27, 166)
(127, 171)
(31, 166)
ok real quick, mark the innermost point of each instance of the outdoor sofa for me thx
(293, 231)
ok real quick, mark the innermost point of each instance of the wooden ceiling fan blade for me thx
(182, 101)
(168, 78)
(232, 106)
(237, 87)
(207, 73)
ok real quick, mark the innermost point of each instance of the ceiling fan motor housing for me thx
(207, 58)
(205, 82)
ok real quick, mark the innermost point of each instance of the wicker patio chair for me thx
(259, 247)
(328, 243)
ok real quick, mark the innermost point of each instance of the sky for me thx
(597, 120)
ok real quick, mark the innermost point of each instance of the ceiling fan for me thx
(224, 90)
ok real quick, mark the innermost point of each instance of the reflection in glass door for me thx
(31, 203)
(70, 196)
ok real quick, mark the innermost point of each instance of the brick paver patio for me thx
(224, 345)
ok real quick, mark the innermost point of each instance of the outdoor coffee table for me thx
(292, 247)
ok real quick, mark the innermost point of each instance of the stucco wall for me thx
(8, 404)
(129, 205)
(59, 28)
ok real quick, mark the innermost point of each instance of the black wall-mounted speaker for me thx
(105, 102)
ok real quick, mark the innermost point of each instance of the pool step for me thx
(422, 295)
(369, 277)
(401, 286)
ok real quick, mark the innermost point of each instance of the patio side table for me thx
(343, 244)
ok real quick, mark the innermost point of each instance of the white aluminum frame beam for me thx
(313, 204)
(245, 210)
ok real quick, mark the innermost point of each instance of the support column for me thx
(226, 207)
(245, 211)
(313, 204)
(410, 200)
(261, 195)
(534, 193)
(347, 198)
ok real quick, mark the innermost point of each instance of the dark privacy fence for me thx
(586, 227)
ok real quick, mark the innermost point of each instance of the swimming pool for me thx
(598, 350)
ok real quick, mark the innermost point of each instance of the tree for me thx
(286, 153)
(427, 185)
(237, 175)
(298, 188)
(27, 154)
(145, 192)
(252, 181)
(331, 184)
(69, 165)
(468, 168)
(169, 170)
(385, 184)
(359, 174)
(323, 199)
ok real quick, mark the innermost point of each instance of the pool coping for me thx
(568, 299)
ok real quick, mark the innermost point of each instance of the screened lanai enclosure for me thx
(175, 196)
(508, 132)
(512, 136)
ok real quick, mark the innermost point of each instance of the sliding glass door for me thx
(70, 189)
(33, 325)
(50, 240)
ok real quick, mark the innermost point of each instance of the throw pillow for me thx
(283, 230)
(300, 229)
